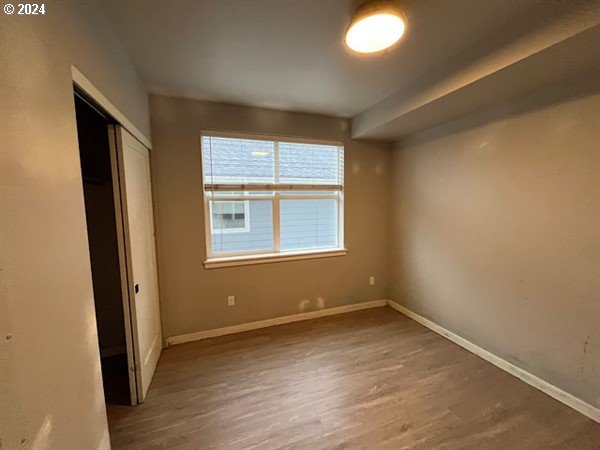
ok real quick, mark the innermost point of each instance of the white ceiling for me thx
(289, 54)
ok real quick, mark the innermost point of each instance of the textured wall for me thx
(195, 299)
(495, 232)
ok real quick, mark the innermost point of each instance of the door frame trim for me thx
(90, 89)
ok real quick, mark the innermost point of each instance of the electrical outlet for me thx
(372, 281)
(231, 300)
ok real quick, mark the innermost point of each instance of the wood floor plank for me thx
(371, 379)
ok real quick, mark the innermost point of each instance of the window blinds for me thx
(241, 164)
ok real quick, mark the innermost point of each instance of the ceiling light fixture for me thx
(375, 26)
(259, 153)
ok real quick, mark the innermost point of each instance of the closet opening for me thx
(94, 129)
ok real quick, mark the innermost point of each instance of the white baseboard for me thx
(564, 397)
(180, 339)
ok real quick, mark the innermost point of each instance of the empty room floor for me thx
(368, 379)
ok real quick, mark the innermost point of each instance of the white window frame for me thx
(225, 259)
(244, 229)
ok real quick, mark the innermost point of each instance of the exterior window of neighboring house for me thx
(229, 217)
(272, 196)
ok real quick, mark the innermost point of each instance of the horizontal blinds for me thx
(235, 164)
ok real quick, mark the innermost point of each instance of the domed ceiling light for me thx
(375, 26)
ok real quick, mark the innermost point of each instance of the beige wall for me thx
(194, 298)
(49, 369)
(496, 233)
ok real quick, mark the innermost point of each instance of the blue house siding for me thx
(305, 224)
(259, 236)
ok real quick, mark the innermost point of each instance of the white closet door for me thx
(136, 198)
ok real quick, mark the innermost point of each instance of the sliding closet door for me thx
(122, 252)
(138, 221)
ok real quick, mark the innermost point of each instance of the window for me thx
(272, 197)
(229, 217)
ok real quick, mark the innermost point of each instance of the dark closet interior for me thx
(94, 149)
